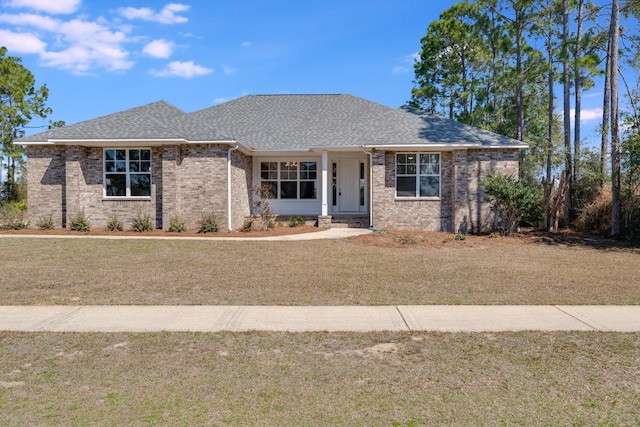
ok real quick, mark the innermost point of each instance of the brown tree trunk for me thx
(614, 34)
(568, 163)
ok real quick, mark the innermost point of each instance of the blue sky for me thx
(100, 57)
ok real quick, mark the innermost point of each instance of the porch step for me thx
(350, 221)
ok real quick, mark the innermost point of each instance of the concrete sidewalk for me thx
(465, 318)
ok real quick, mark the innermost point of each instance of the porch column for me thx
(325, 183)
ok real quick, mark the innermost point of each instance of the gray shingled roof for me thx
(285, 122)
(156, 121)
(282, 123)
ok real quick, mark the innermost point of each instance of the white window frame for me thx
(418, 175)
(127, 173)
(298, 177)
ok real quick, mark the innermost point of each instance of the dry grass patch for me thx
(403, 379)
(359, 271)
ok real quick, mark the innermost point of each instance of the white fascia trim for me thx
(278, 152)
(124, 142)
(443, 147)
(341, 148)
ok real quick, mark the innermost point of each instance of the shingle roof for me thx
(282, 123)
(156, 121)
(285, 122)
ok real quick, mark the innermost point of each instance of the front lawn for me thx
(378, 269)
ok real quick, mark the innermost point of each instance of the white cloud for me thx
(587, 115)
(80, 45)
(31, 20)
(158, 49)
(47, 6)
(166, 16)
(408, 59)
(228, 70)
(182, 69)
(245, 44)
(221, 100)
(21, 42)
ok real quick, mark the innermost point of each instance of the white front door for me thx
(348, 191)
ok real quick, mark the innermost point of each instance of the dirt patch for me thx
(432, 239)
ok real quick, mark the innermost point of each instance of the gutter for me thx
(229, 223)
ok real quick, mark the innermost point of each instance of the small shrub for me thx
(46, 223)
(114, 224)
(208, 224)
(247, 225)
(80, 222)
(509, 198)
(405, 240)
(296, 221)
(12, 217)
(142, 222)
(262, 204)
(177, 224)
(20, 206)
(461, 236)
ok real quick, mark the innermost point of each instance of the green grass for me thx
(403, 379)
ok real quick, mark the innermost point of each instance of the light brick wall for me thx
(195, 183)
(461, 206)
(241, 182)
(84, 188)
(473, 213)
(389, 212)
(45, 178)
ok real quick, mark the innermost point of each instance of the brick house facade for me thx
(323, 155)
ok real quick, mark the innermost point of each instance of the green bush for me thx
(80, 222)
(461, 236)
(509, 198)
(12, 217)
(114, 224)
(177, 224)
(46, 223)
(208, 224)
(247, 225)
(142, 222)
(296, 221)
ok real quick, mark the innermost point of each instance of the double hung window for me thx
(127, 172)
(418, 175)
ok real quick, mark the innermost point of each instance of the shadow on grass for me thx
(576, 239)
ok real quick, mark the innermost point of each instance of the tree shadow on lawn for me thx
(576, 239)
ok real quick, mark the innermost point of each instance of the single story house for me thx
(332, 157)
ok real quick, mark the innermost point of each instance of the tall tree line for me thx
(496, 63)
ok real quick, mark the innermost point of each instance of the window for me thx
(417, 175)
(127, 173)
(290, 180)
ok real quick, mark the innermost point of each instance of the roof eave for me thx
(123, 142)
(442, 147)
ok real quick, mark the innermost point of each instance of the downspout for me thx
(370, 154)
(229, 224)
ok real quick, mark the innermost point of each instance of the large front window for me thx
(417, 175)
(290, 180)
(127, 172)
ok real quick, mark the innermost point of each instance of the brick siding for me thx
(188, 181)
(461, 206)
